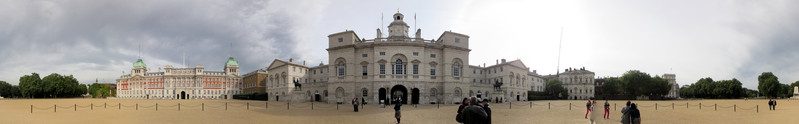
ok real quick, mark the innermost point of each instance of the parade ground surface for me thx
(73, 111)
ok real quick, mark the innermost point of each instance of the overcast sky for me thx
(96, 39)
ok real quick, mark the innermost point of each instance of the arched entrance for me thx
(400, 92)
(382, 95)
(317, 97)
(415, 96)
(182, 94)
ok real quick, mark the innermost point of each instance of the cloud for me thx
(100, 39)
(775, 25)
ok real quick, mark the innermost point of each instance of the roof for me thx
(139, 63)
(231, 62)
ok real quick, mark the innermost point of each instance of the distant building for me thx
(255, 82)
(180, 83)
(579, 83)
(675, 88)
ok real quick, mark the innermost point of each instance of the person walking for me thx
(459, 117)
(488, 111)
(606, 115)
(625, 113)
(635, 115)
(587, 108)
(397, 113)
(355, 104)
(474, 113)
(594, 115)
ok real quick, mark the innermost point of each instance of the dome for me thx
(139, 63)
(230, 61)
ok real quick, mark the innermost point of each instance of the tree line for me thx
(709, 89)
(632, 84)
(770, 86)
(51, 86)
(100, 90)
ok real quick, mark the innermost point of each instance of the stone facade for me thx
(579, 83)
(179, 83)
(254, 82)
(675, 88)
(415, 70)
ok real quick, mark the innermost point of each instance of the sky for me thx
(99, 40)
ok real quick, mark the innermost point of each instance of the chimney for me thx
(497, 62)
(534, 72)
(484, 65)
(303, 62)
(503, 60)
(291, 60)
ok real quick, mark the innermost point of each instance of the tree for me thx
(8, 90)
(634, 83)
(658, 87)
(31, 86)
(611, 87)
(555, 88)
(769, 85)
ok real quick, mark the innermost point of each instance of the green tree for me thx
(611, 87)
(769, 85)
(658, 87)
(7, 90)
(634, 83)
(555, 88)
(31, 86)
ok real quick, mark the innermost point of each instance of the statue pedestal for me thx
(795, 92)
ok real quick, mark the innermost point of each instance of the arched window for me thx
(341, 69)
(339, 92)
(433, 92)
(456, 69)
(398, 69)
(365, 93)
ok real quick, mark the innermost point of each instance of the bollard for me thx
(92, 106)
(758, 108)
(311, 105)
(287, 106)
(614, 106)
(226, 106)
(54, 108)
(31, 108)
(531, 104)
(119, 106)
(178, 106)
(336, 106)
(510, 105)
(715, 107)
(686, 105)
(156, 106)
(570, 106)
(549, 105)
(137, 106)
(76, 107)
(248, 106)
(700, 106)
(672, 106)
(734, 108)
(203, 108)
(656, 106)
(266, 105)
(105, 105)
(438, 106)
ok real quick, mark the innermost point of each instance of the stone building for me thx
(254, 82)
(579, 83)
(179, 83)
(675, 88)
(413, 69)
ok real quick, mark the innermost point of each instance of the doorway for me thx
(182, 94)
(400, 92)
(415, 96)
(382, 95)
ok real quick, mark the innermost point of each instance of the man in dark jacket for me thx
(474, 113)
(488, 111)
